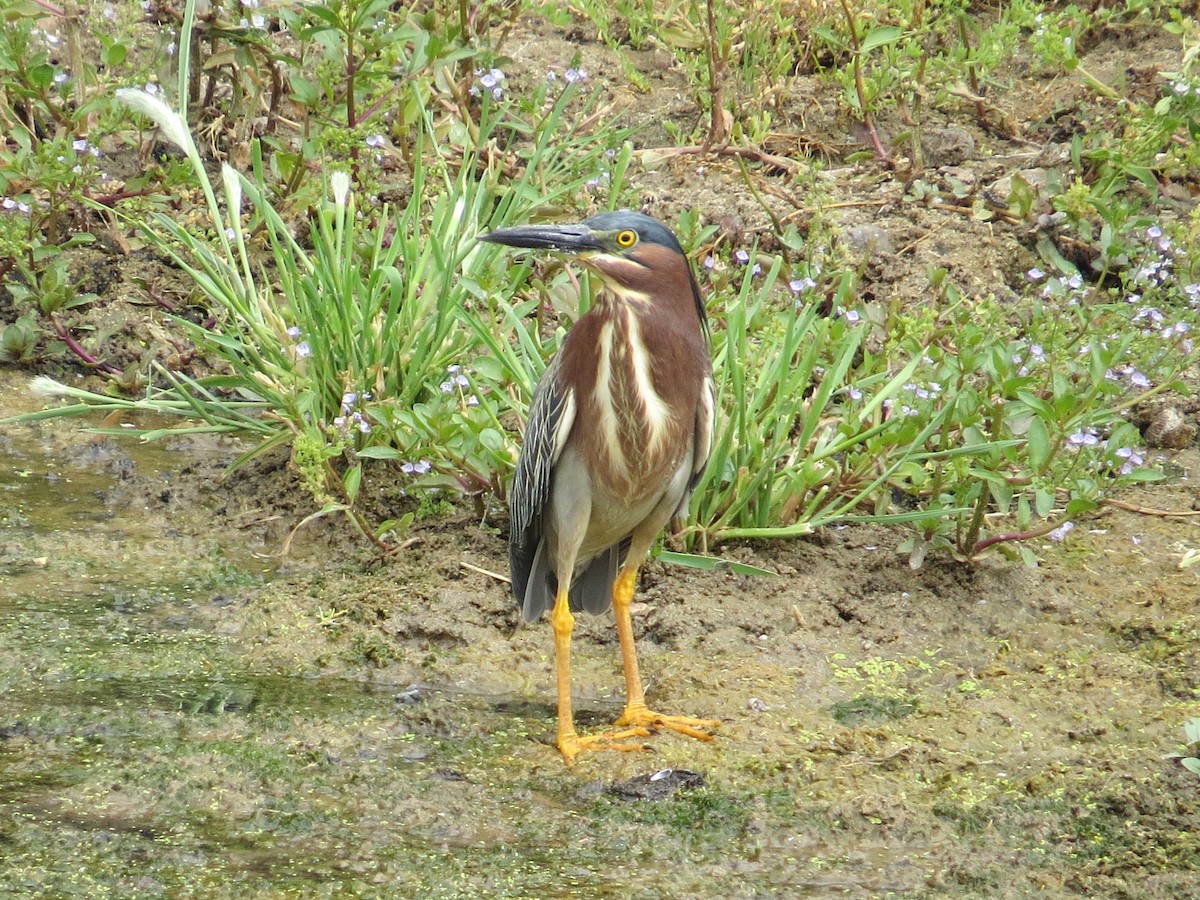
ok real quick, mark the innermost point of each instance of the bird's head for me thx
(637, 258)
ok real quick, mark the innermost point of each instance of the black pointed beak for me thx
(567, 238)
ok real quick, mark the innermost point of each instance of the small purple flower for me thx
(420, 467)
(1075, 282)
(1138, 380)
(348, 400)
(1154, 232)
(1035, 274)
(491, 81)
(303, 350)
(573, 75)
(742, 256)
(799, 285)
(854, 393)
(1060, 533)
(1083, 438)
(710, 262)
(1130, 454)
(376, 141)
(1132, 459)
(852, 316)
(294, 332)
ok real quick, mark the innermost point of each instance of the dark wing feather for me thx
(703, 440)
(551, 415)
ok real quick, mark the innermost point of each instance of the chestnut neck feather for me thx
(638, 364)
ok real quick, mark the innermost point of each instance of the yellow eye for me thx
(626, 239)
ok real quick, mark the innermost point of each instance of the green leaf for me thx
(114, 55)
(380, 453)
(878, 37)
(1044, 501)
(1028, 557)
(353, 481)
(1039, 444)
(1145, 475)
(711, 563)
(1191, 730)
(1077, 506)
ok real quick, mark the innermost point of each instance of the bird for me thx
(619, 430)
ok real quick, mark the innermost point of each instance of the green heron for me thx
(619, 431)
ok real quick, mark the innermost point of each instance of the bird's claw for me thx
(571, 745)
(638, 716)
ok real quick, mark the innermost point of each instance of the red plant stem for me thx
(77, 348)
(980, 546)
(110, 199)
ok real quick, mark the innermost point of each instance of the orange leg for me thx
(636, 714)
(570, 744)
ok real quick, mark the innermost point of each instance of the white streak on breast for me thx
(655, 412)
(604, 400)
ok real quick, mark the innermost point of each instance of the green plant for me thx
(1191, 733)
(344, 346)
(800, 442)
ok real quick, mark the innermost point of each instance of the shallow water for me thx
(128, 708)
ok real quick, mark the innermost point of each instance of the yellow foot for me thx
(640, 717)
(571, 745)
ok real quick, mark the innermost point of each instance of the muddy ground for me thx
(959, 730)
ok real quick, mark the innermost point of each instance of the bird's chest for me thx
(636, 433)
